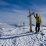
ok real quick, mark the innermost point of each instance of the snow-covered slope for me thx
(4, 25)
(20, 36)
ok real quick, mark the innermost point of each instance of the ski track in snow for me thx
(21, 37)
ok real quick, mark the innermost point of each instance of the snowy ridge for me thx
(4, 25)
(20, 36)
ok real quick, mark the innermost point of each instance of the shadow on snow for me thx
(19, 35)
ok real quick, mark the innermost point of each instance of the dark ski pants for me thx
(37, 27)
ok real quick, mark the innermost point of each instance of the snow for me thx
(20, 36)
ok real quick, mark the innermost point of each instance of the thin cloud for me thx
(22, 12)
(16, 13)
(3, 3)
(19, 15)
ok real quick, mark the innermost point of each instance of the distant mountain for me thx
(33, 24)
(16, 25)
(20, 25)
(44, 25)
(5, 25)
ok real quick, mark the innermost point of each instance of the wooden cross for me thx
(30, 19)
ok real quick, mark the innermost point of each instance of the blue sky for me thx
(16, 11)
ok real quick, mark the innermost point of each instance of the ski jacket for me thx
(38, 19)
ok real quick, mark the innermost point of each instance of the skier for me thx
(38, 22)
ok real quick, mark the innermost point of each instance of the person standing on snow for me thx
(38, 22)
